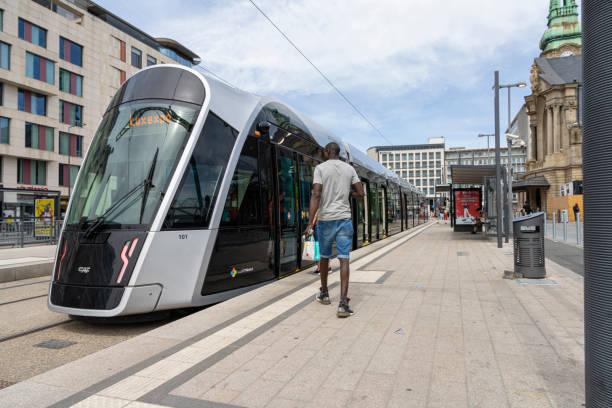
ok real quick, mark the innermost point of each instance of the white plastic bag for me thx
(310, 251)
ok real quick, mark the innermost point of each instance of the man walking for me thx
(331, 191)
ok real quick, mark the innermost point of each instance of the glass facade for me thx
(32, 102)
(151, 60)
(70, 144)
(70, 113)
(32, 33)
(40, 68)
(5, 55)
(67, 173)
(4, 130)
(70, 82)
(175, 56)
(38, 137)
(31, 172)
(71, 51)
(136, 58)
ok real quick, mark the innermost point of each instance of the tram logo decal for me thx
(235, 272)
(84, 269)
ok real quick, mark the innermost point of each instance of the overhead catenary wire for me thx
(321, 73)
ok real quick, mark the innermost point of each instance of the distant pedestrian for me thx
(332, 182)
(576, 209)
(527, 208)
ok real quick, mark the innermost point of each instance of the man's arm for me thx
(357, 191)
(315, 201)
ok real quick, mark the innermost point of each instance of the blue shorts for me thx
(340, 231)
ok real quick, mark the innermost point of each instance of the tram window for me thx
(243, 204)
(195, 199)
(306, 173)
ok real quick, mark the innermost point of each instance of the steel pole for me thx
(597, 162)
(498, 192)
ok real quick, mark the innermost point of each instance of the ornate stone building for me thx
(554, 151)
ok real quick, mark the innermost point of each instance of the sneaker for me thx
(323, 297)
(317, 272)
(344, 310)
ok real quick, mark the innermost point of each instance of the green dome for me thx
(563, 25)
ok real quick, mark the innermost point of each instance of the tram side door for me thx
(287, 200)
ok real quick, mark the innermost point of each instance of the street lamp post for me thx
(498, 195)
(509, 166)
(488, 135)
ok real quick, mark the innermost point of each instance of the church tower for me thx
(564, 34)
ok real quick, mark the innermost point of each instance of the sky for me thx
(415, 68)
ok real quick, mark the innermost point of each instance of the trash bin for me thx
(529, 245)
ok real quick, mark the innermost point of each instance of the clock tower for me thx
(564, 34)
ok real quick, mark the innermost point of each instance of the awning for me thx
(523, 185)
(474, 175)
(442, 188)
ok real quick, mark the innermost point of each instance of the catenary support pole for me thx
(498, 192)
(597, 162)
(578, 228)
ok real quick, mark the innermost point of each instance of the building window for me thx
(71, 52)
(411, 174)
(384, 156)
(32, 102)
(438, 172)
(424, 182)
(404, 164)
(1, 94)
(418, 173)
(391, 166)
(438, 163)
(437, 155)
(417, 156)
(4, 130)
(431, 173)
(418, 182)
(70, 144)
(32, 33)
(70, 82)
(403, 174)
(151, 60)
(64, 176)
(417, 165)
(431, 191)
(431, 156)
(5, 55)
(38, 137)
(403, 156)
(122, 50)
(410, 156)
(411, 165)
(136, 58)
(411, 181)
(40, 68)
(70, 113)
(1, 20)
(31, 172)
(397, 157)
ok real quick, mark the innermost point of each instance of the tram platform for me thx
(436, 325)
(29, 262)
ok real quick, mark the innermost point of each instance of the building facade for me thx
(61, 61)
(483, 156)
(555, 136)
(420, 164)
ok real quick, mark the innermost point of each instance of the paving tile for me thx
(220, 394)
(372, 391)
(199, 384)
(259, 393)
(97, 401)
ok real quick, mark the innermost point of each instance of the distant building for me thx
(61, 62)
(419, 164)
(555, 130)
(484, 156)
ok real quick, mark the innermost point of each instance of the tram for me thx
(193, 192)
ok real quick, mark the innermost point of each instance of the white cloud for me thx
(381, 47)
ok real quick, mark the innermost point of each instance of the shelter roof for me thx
(539, 181)
(464, 174)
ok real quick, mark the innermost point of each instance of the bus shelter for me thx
(471, 193)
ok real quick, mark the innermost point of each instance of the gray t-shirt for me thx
(336, 177)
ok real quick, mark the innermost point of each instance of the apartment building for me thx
(419, 164)
(61, 61)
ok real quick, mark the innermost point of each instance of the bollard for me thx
(578, 228)
(554, 225)
(21, 234)
(564, 229)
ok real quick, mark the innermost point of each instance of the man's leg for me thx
(324, 268)
(344, 277)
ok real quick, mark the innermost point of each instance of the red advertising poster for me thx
(467, 203)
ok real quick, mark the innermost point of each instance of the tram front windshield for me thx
(129, 163)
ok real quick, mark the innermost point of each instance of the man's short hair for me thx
(333, 148)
